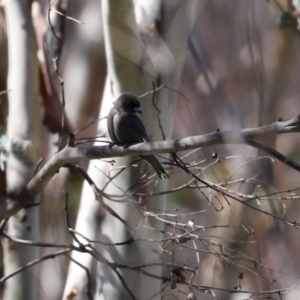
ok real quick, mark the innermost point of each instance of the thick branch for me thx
(71, 155)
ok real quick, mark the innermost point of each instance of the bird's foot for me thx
(125, 146)
(110, 145)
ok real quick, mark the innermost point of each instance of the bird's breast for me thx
(123, 129)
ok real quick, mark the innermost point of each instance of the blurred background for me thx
(239, 70)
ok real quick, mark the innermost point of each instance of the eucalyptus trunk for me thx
(23, 130)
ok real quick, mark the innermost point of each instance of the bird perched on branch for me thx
(124, 127)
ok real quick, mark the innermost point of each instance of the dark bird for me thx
(124, 127)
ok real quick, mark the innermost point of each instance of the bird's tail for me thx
(154, 162)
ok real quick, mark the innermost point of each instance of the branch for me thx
(71, 155)
(275, 154)
(34, 262)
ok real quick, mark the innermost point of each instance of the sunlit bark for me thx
(85, 89)
(24, 132)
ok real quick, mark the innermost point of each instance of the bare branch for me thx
(34, 262)
(158, 112)
(88, 275)
(64, 15)
(70, 154)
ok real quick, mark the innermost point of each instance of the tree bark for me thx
(86, 89)
(126, 72)
(24, 132)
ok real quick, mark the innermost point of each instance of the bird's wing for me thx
(137, 125)
(110, 125)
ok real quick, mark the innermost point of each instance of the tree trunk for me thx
(129, 69)
(24, 133)
(86, 90)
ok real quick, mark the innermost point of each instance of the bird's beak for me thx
(138, 109)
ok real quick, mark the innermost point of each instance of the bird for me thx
(124, 127)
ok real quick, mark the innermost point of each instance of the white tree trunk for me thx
(129, 69)
(24, 131)
(85, 90)
(125, 71)
(124, 52)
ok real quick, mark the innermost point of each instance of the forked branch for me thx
(72, 154)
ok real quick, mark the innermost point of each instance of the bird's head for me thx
(129, 103)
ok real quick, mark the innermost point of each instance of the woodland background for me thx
(234, 65)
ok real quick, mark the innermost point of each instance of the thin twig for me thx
(67, 17)
(158, 113)
(4, 92)
(275, 154)
(34, 262)
(68, 223)
(88, 125)
(166, 87)
(88, 275)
